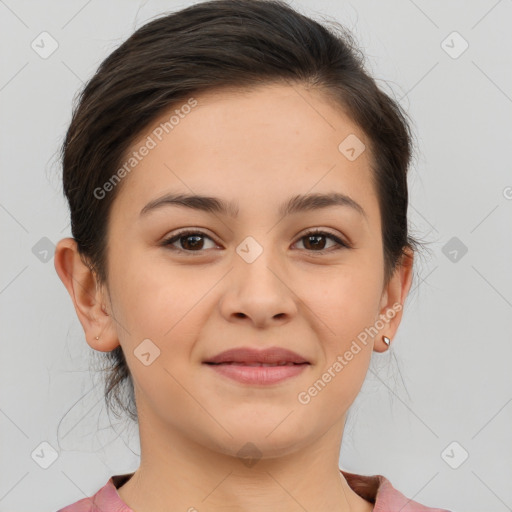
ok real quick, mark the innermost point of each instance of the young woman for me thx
(238, 193)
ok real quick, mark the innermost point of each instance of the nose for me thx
(258, 292)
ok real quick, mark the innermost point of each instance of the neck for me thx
(176, 470)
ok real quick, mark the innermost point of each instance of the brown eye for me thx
(194, 241)
(315, 241)
(189, 241)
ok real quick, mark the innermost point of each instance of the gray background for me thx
(447, 378)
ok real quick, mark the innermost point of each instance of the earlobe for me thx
(87, 297)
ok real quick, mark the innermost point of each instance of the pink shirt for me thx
(376, 489)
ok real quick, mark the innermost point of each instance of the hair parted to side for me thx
(221, 43)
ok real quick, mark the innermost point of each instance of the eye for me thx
(193, 241)
(190, 241)
(313, 240)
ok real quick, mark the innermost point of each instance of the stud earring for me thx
(387, 341)
(97, 337)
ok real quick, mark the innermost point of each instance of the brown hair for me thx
(214, 44)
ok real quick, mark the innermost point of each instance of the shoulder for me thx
(378, 490)
(106, 499)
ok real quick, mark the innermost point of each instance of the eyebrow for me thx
(296, 204)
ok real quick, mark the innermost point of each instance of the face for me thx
(261, 278)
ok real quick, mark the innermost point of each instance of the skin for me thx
(194, 305)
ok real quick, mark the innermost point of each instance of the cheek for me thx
(153, 303)
(166, 304)
(346, 307)
(346, 301)
(152, 295)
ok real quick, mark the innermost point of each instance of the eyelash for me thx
(341, 244)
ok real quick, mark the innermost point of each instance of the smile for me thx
(254, 373)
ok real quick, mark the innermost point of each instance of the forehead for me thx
(266, 142)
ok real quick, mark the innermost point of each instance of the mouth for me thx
(244, 363)
(272, 356)
(258, 367)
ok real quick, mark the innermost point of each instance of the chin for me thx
(264, 441)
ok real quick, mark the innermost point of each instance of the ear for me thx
(393, 299)
(88, 298)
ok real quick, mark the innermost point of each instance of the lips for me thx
(273, 356)
(252, 367)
